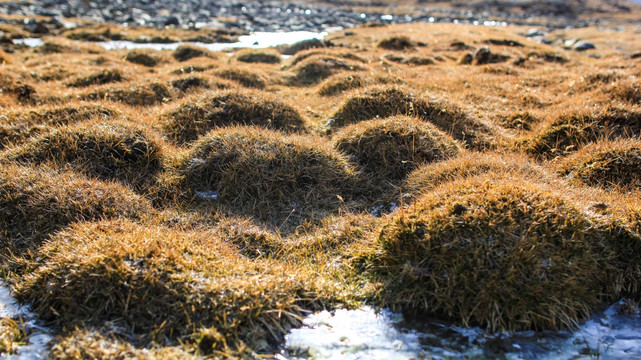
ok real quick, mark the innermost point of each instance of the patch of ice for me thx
(353, 334)
(207, 195)
(364, 334)
(38, 346)
(31, 42)
(256, 40)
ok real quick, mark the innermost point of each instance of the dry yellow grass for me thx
(261, 212)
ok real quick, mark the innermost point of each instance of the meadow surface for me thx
(190, 203)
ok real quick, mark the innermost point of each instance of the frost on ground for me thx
(364, 334)
(39, 337)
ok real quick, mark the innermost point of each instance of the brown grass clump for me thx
(412, 60)
(100, 78)
(146, 58)
(607, 164)
(392, 101)
(279, 180)
(471, 164)
(190, 83)
(495, 254)
(317, 68)
(16, 127)
(388, 149)
(628, 91)
(12, 335)
(114, 151)
(342, 83)
(187, 52)
(259, 56)
(194, 118)
(136, 95)
(397, 43)
(103, 344)
(35, 204)
(243, 77)
(571, 131)
(301, 46)
(161, 285)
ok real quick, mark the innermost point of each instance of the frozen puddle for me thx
(257, 40)
(39, 337)
(364, 334)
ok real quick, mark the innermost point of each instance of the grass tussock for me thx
(196, 117)
(132, 95)
(279, 180)
(116, 151)
(613, 165)
(243, 77)
(188, 52)
(389, 149)
(35, 204)
(399, 43)
(573, 130)
(148, 58)
(13, 334)
(318, 68)
(190, 83)
(411, 60)
(343, 83)
(391, 101)
(467, 165)
(497, 254)
(259, 56)
(302, 46)
(17, 127)
(161, 285)
(100, 78)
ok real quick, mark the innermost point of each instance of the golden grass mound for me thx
(277, 179)
(243, 77)
(148, 58)
(388, 149)
(259, 56)
(162, 285)
(427, 177)
(18, 126)
(136, 95)
(315, 69)
(12, 335)
(397, 43)
(100, 78)
(36, 202)
(187, 52)
(196, 117)
(571, 131)
(498, 254)
(607, 164)
(190, 83)
(382, 102)
(115, 151)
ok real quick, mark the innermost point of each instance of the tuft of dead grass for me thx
(116, 151)
(16, 127)
(399, 43)
(100, 78)
(34, 204)
(196, 117)
(613, 165)
(495, 253)
(318, 68)
(388, 149)
(188, 52)
(572, 130)
(13, 334)
(277, 179)
(148, 58)
(259, 56)
(162, 285)
(243, 77)
(132, 95)
(382, 102)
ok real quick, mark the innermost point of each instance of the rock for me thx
(583, 45)
(172, 20)
(466, 59)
